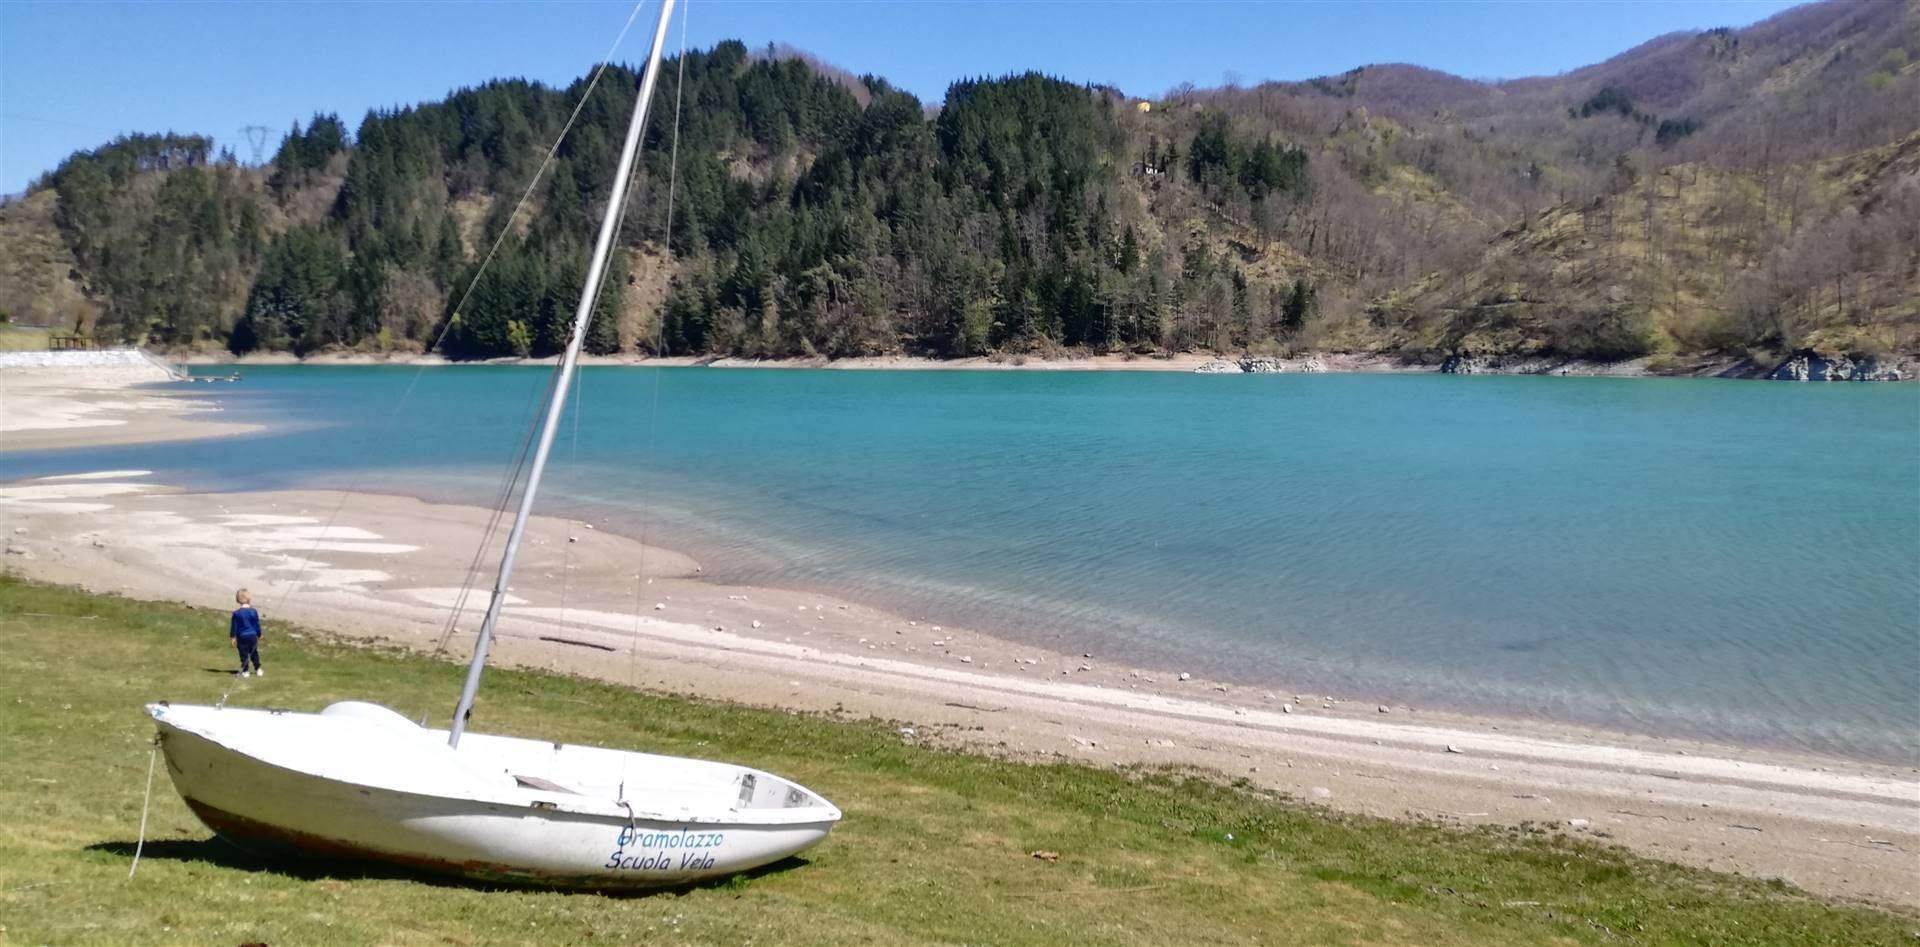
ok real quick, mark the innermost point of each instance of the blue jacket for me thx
(246, 623)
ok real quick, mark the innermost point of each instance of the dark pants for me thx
(249, 651)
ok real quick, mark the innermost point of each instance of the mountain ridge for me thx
(1391, 209)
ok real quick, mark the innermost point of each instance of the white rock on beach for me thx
(1321, 792)
(756, 623)
(1185, 676)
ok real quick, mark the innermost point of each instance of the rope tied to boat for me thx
(140, 844)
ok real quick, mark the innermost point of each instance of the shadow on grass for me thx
(214, 851)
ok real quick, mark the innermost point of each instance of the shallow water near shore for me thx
(1734, 561)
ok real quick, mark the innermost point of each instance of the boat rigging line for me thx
(653, 418)
(569, 362)
(506, 228)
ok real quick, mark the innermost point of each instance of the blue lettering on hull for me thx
(655, 850)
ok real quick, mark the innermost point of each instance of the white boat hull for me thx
(395, 801)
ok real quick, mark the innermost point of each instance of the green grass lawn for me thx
(22, 338)
(936, 845)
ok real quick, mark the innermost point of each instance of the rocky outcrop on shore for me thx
(1806, 366)
(1809, 366)
(1265, 365)
(1534, 365)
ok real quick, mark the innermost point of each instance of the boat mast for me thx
(582, 315)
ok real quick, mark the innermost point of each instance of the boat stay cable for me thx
(501, 506)
(373, 437)
(653, 419)
(564, 373)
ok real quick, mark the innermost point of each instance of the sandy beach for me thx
(44, 407)
(590, 602)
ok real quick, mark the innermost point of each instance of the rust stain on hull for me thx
(266, 840)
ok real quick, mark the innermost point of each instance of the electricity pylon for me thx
(257, 137)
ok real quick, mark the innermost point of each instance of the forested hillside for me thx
(1750, 192)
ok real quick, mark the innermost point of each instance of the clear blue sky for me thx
(74, 74)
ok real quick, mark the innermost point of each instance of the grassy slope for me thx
(34, 264)
(22, 339)
(935, 847)
(1604, 251)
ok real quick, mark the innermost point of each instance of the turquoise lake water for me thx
(1737, 561)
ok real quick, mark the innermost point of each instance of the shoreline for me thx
(1897, 369)
(1433, 705)
(387, 568)
(99, 406)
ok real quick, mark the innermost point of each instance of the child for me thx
(245, 632)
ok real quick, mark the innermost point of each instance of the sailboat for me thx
(360, 781)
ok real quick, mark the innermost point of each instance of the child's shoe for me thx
(259, 672)
(244, 673)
